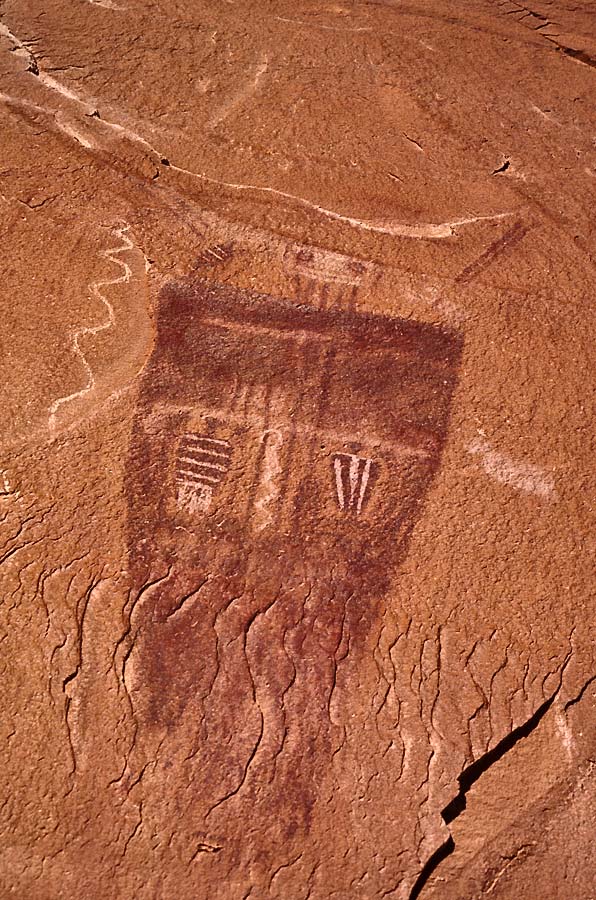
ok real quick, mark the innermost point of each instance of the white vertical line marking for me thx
(339, 483)
(363, 483)
(354, 468)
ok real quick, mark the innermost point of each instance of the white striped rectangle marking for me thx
(201, 464)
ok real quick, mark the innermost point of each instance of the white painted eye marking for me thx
(201, 464)
(352, 474)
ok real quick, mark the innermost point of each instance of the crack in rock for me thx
(470, 776)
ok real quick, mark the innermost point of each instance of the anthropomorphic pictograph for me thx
(280, 457)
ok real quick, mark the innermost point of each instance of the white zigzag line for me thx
(95, 289)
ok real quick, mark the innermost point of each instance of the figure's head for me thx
(283, 430)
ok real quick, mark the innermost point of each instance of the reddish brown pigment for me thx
(280, 457)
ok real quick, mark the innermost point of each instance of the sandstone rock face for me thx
(297, 465)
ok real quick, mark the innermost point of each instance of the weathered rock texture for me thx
(297, 472)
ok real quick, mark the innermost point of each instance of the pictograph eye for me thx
(352, 481)
(201, 464)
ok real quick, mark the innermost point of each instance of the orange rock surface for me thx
(297, 465)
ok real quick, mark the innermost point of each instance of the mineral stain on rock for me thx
(280, 457)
